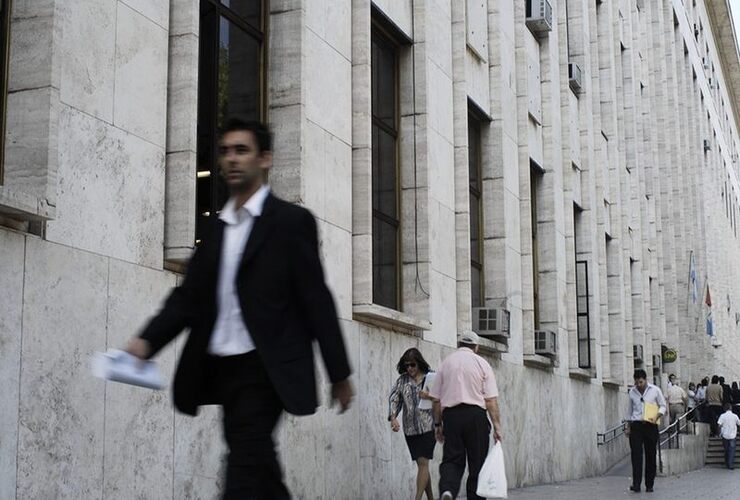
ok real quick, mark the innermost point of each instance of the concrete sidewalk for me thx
(708, 483)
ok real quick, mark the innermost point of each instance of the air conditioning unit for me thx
(545, 343)
(707, 146)
(539, 16)
(637, 352)
(488, 322)
(575, 77)
(656, 361)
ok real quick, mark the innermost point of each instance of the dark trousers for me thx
(643, 437)
(714, 412)
(466, 432)
(251, 409)
(729, 445)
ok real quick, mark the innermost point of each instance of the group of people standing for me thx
(451, 406)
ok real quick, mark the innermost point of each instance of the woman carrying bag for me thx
(418, 424)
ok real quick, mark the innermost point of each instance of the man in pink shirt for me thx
(463, 390)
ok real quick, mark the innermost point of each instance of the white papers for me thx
(120, 366)
(426, 404)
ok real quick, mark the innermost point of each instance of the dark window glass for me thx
(230, 82)
(475, 184)
(386, 224)
(535, 177)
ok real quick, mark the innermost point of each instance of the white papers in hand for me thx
(426, 404)
(120, 366)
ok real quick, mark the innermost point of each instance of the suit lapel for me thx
(262, 227)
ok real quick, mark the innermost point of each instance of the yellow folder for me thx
(650, 412)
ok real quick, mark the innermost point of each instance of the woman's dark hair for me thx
(705, 381)
(715, 379)
(261, 132)
(412, 355)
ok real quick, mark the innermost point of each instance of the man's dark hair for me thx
(715, 379)
(727, 406)
(672, 375)
(640, 373)
(722, 381)
(261, 132)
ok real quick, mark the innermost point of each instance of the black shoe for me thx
(634, 488)
(649, 490)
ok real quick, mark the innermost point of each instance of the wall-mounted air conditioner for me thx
(637, 352)
(575, 77)
(491, 322)
(545, 343)
(539, 16)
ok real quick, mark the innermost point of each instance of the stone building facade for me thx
(597, 154)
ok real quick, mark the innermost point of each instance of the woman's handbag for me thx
(492, 476)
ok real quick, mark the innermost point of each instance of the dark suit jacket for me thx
(284, 300)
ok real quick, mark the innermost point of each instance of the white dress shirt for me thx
(728, 422)
(652, 394)
(230, 335)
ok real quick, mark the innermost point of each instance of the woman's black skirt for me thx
(421, 445)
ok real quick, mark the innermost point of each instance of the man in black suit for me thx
(254, 299)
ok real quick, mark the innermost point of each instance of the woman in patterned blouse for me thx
(418, 424)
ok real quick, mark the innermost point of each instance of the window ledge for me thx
(537, 361)
(584, 374)
(385, 317)
(21, 205)
(488, 346)
(612, 383)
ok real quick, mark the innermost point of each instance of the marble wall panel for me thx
(400, 12)
(31, 42)
(157, 11)
(335, 246)
(442, 239)
(61, 437)
(439, 104)
(179, 220)
(88, 76)
(12, 248)
(328, 88)
(200, 454)
(441, 169)
(184, 17)
(444, 321)
(287, 57)
(182, 93)
(139, 432)
(288, 143)
(338, 181)
(374, 383)
(439, 39)
(331, 20)
(312, 169)
(140, 93)
(111, 191)
(32, 8)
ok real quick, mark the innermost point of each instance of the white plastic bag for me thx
(492, 477)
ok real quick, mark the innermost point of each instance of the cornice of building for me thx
(723, 30)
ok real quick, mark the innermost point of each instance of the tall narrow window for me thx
(582, 312)
(231, 81)
(385, 177)
(476, 212)
(535, 177)
(4, 62)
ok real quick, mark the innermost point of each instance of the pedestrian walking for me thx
(677, 399)
(735, 399)
(726, 391)
(464, 390)
(418, 423)
(728, 423)
(691, 405)
(714, 403)
(646, 406)
(254, 299)
(701, 399)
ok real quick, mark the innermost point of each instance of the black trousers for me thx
(467, 433)
(251, 409)
(643, 437)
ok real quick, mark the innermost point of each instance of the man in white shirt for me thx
(728, 423)
(677, 400)
(643, 429)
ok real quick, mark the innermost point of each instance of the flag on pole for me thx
(692, 279)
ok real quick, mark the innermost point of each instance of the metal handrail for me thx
(610, 434)
(673, 430)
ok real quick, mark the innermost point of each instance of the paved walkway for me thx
(708, 484)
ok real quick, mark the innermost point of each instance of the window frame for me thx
(6, 7)
(475, 125)
(212, 72)
(380, 33)
(535, 178)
